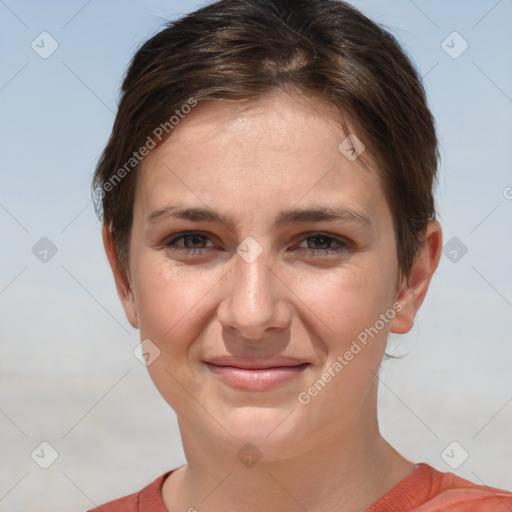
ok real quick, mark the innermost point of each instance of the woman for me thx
(268, 213)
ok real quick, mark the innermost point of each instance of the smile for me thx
(256, 379)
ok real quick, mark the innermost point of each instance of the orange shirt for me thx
(425, 490)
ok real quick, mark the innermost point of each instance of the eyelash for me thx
(344, 245)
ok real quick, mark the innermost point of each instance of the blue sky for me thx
(63, 317)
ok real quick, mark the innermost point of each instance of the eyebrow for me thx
(285, 217)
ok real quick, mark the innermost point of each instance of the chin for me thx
(269, 434)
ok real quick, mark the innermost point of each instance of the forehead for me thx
(259, 153)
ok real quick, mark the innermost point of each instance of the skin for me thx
(248, 161)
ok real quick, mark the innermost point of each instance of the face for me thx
(260, 257)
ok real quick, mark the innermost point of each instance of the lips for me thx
(256, 374)
(255, 363)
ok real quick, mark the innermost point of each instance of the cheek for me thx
(176, 305)
(345, 302)
(171, 298)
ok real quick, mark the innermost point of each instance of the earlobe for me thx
(123, 286)
(414, 289)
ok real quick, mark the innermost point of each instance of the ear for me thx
(413, 290)
(123, 286)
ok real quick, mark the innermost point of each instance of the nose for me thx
(255, 299)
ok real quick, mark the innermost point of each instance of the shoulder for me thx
(430, 490)
(128, 503)
(147, 499)
(450, 490)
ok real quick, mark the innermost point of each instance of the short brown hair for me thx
(234, 49)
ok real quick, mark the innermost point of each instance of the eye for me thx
(193, 242)
(316, 244)
(322, 244)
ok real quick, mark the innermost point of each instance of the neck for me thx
(350, 470)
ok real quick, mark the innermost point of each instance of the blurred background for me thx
(75, 400)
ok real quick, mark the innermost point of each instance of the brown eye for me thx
(188, 242)
(322, 244)
(194, 241)
(319, 242)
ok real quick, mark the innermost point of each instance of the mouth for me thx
(256, 374)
